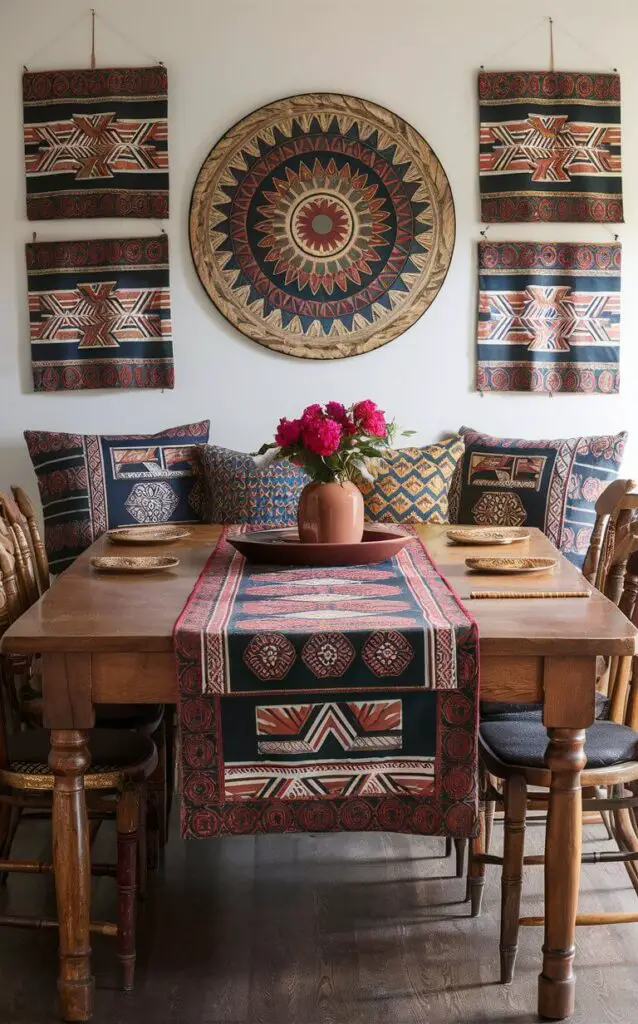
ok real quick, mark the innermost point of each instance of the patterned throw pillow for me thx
(413, 484)
(238, 490)
(549, 484)
(89, 484)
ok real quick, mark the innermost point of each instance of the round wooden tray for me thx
(133, 563)
(283, 547)
(487, 535)
(147, 534)
(510, 566)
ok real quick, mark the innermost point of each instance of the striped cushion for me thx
(552, 485)
(89, 484)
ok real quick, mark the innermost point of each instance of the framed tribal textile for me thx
(322, 226)
(548, 317)
(100, 314)
(550, 146)
(96, 143)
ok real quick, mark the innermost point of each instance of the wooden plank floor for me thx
(361, 929)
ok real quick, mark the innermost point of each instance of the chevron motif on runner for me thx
(304, 728)
(333, 779)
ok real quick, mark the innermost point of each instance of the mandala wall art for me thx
(322, 226)
(96, 143)
(550, 146)
(549, 317)
(100, 314)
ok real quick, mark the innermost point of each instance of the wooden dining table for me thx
(109, 639)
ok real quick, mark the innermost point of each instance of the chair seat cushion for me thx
(111, 750)
(523, 741)
(493, 710)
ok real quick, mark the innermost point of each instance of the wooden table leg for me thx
(69, 758)
(563, 843)
(568, 709)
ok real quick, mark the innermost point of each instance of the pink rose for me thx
(364, 409)
(311, 413)
(336, 411)
(322, 436)
(375, 424)
(288, 432)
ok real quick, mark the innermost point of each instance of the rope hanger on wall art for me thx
(322, 225)
(96, 141)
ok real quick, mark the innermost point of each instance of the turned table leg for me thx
(69, 758)
(563, 842)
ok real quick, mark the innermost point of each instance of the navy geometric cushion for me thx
(552, 485)
(238, 490)
(90, 484)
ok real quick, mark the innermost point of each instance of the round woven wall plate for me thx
(322, 225)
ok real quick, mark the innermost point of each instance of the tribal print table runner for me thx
(100, 314)
(327, 699)
(549, 317)
(550, 146)
(96, 143)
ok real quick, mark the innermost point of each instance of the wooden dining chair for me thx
(21, 536)
(512, 751)
(613, 514)
(121, 762)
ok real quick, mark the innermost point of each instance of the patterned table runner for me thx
(315, 700)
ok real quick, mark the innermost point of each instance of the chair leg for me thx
(142, 851)
(476, 870)
(156, 800)
(127, 824)
(169, 721)
(490, 808)
(9, 821)
(448, 846)
(512, 876)
(460, 845)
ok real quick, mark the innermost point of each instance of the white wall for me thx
(227, 57)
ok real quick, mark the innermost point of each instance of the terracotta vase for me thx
(330, 513)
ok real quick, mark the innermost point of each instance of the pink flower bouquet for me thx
(334, 443)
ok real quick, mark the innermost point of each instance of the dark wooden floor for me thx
(318, 930)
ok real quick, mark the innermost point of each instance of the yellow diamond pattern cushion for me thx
(413, 483)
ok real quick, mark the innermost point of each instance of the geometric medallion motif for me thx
(151, 503)
(322, 226)
(95, 143)
(550, 147)
(100, 314)
(549, 317)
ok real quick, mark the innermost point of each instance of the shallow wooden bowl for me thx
(487, 535)
(147, 534)
(133, 564)
(511, 566)
(283, 547)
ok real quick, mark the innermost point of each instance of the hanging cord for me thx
(93, 37)
(131, 42)
(108, 25)
(583, 46)
(551, 44)
(52, 42)
(513, 42)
